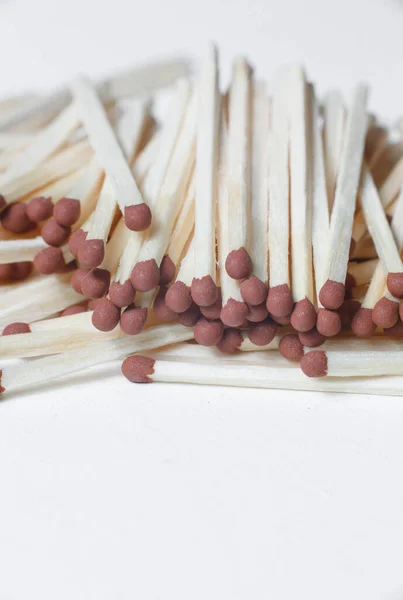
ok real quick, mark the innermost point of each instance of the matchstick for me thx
(110, 155)
(238, 263)
(254, 289)
(333, 134)
(203, 289)
(12, 251)
(178, 297)
(360, 273)
(341, 223)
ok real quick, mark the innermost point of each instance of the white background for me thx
(112, 491)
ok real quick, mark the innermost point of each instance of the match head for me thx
(39, 209)
(395, 332)
(21, 270)
(311, 339)
(213, 312)
(328, 322)
(190, 317)
(231, 341)
(394, 282)
(291, 348)
(167, 270)
(332, 294)
(137, 368)
(93, 303)
(55, 234)
(76, 239)
(347, 312)
(162, 312)
(138, 217)
(362, 324)
(105, 316)
(73, 310)
(238, 264)
(303, 317)
(121, 294)
(49, 260)
(6, 272)
(3, 203)
(91, 253)
(204, 291)
(279, 301)
(15, 328)
(208, 333)
(314, 364)
(385, 313)
(233, 314)
(350, 282)
(283, 321)
(253, 291)
(77, 279)
(262, 334)
(145, 275)
(133, 320)
(258, 313)
(66, 211)
(14, 218)
(95, 284)
(178, 297)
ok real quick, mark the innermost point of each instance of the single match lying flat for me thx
(244, 232)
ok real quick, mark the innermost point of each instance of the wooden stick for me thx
(361, 273)
(333, 135)
(20, 250)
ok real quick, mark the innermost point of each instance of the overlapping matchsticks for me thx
(255, 220)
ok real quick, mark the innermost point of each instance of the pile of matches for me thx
(222, 244)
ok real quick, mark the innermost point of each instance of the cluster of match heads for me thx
(256, 216)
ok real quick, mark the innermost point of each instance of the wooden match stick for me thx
(360, 273)
(178, 297)
(20, 250)
(333, 135)
(341, 223)
(203, 289)
(238, 263)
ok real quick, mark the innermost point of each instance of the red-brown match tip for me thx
(15, 328)
(39, 209)
(138, 368)
(262, 334)
(279, 301)
(385, 312)
(3, 202)
(283, 321)
(362, 324)
(395, 332)
(213, 311)
(257, 313)
(76, 239)
(303, 317)
(49, 260)
(332, 294)
(347, 311)
(138, 217)
(133, 319)
(190, 317)
(95, 284)
(208, 333)
(6, 272)
(311, 339)
(178, 297)
(75, 309)
(328, 322)
(238, 264)
(204, 291)
(21, 270)
(91, 253)
(350, 282)
(77, 279)
(234, 313)
(105, 315)
(162, 312)
(314, 364)
(67, 211)
(55, 234)
(14, 218)
(231, 341)
(167, 270)
(291, 348)
(145, 275)
(394, 282)
(253, 291)
(121, 294)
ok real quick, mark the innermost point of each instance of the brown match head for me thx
(283, 321)
(204, 291)
(231, 341)
(162, 312)
(385, 313)
(14, 218)
(55, 234)
(3, 203)
(213, 311)
(66, 211)
(332, 294)
(39, 209)
(167, 270)
(328, 322)
(253, 291)
(73, 310)
(303, 317)
(291, 348)
(362, 324)
(258, 313)
(238, 264)
(138, 368)
(93, 303)
(350, 282)
(190, 317)
(15, 328)
(76, 239)
(133, 320)
(208, 333)
(311, 339)
(121, 294)
(233, 314)
(77, 279)
(6, 272)
(49, 260)
(314, 364)
(91, 253)
(21, 270)
(178, 297)
(279, 301)
(138, 217)
(395, 332)
(95, 284)
(262, 334)
(145, 276)
(394, 282)
(105, 316)
(347, 311)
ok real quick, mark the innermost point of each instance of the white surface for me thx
(114, 491)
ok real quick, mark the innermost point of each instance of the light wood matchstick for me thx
(333, 135)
